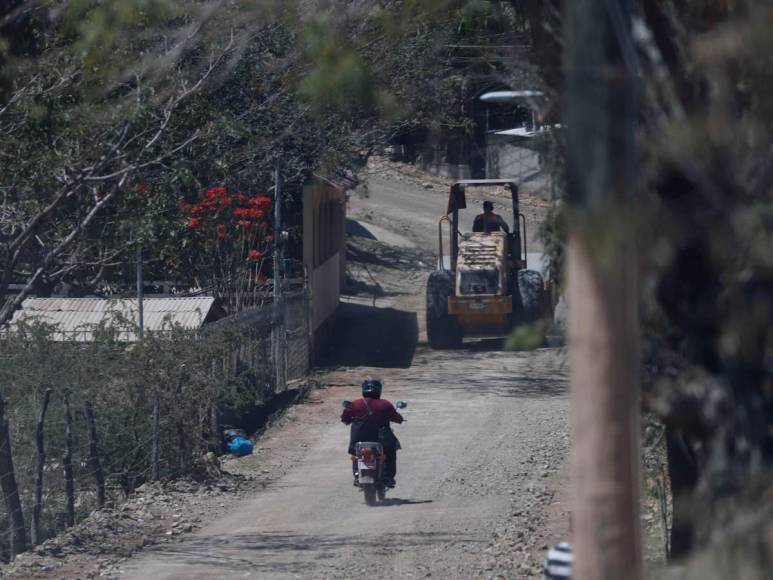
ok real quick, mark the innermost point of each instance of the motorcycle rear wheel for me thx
(370, 494)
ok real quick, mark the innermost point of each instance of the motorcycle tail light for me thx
(367, 454)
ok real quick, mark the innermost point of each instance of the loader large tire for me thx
(443, 331)
(531, 288)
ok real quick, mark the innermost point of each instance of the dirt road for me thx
(480, 478)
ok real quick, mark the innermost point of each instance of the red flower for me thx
(142, 187)
(244, 223)
(249, 212)
(213, 192)
(262, 201)
(222, 232)
(262, 279)
(196, 222)
(254, 255)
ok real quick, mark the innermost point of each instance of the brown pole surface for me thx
(604, 402)
(600, 115)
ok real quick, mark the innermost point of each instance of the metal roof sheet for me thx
(81, 315)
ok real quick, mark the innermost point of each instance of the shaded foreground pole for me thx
(603, 290)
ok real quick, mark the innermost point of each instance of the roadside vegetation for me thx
(85, 422)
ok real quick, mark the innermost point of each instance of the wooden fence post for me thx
(94, 464)
(69, 481)
(37, 505)
(155, 450)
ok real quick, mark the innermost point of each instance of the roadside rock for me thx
(152, 514)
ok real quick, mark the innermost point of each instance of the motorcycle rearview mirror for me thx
(401, 404)
(346, 404)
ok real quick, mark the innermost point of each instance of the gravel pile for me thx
(156, 513)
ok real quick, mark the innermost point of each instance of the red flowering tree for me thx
(231, 236)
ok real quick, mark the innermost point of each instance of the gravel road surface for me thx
(481, 479)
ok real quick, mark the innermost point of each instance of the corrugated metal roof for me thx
(78, 316)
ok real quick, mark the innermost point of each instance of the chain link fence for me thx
(125, 412)
(277, 345)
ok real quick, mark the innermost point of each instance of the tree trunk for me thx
(69, 481)
(37, 505)
(604, 413)
(603, 292)
(94, 464)
(17, 531)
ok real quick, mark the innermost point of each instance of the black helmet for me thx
(371, 388)
(488, 206)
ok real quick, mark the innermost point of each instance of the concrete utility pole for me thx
(279, 336)
(600, 114)
(277, 229)
(140, 291)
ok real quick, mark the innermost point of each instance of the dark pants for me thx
(390, 467)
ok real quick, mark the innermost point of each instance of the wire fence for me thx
(157, 402)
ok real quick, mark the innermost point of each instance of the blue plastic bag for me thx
(240, 446)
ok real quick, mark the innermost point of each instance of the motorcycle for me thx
(371, 461)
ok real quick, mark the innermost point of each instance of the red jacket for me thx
(381, 412)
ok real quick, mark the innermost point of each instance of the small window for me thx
(478, 281)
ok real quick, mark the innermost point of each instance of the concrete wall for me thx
(506, 158)
(326, 291)
(324, 254)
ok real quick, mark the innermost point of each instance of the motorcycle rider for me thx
(370, 417)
